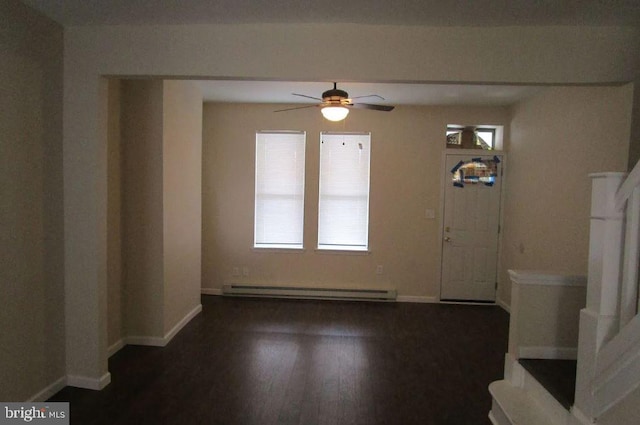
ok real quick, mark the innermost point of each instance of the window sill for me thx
(342, 251)
(276, 249)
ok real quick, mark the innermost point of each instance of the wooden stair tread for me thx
(518, 406)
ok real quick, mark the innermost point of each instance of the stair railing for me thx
(628, 196)
(608, 342)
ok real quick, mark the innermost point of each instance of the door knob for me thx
(447, 239)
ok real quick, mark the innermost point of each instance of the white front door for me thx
(470, 227)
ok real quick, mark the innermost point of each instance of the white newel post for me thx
(599, 321)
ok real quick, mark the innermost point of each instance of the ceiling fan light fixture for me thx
(335, 113)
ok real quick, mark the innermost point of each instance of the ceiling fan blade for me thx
(369, 95)
(304, 95)
(385, 108)
(296, 107)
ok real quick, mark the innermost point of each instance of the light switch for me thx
(430, 213)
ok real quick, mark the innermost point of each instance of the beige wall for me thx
(399, 53)
(182, 189)
(142, 207)
(32, 351)
(160, 209)
(114, 223)
(557, 138)
(406, 167)
(543, 229)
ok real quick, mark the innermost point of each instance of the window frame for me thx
(356, 248)
(482, 129)
(280, 245)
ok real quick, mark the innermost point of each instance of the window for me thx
(343, 205)
(483, 138)
(486, 135)
(279, 193)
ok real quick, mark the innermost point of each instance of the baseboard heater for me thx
(239, 290)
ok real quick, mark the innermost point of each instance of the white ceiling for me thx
(394, 94)
(391, 12)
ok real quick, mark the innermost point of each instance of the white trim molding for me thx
(115, 347)
(182, 323)
(462, 302)
(580, 417)
(89, 383)
(150, 341)
(502, 303)
(552, 353)
(49, 391)
(155, 341)
(537, 277)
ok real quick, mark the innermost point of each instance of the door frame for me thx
(443, 181)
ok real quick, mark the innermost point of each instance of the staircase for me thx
(540, 366)
(526, 398)
(606, 346)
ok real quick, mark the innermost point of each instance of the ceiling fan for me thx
(335, 104)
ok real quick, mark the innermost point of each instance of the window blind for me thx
(279, 190)
(343, 205)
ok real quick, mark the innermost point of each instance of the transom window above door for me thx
(471, 137)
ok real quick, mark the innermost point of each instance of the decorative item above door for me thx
(475, 171)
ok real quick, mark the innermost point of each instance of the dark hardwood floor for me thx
(266, 361)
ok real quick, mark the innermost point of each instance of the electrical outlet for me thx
(379, 269)
(245, 271)
(236, 271)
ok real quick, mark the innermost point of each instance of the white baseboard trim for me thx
(555, 353)
(399, 298)
(486, 304)
(415, 299)
(211, 291)
(114, 348)
(493, 419)
(152, 341)
(182, 323)
(155, 341)
(580, 416)
(89, 383)
(49, 391)
(506, 307)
